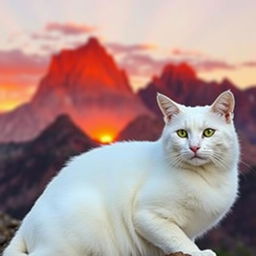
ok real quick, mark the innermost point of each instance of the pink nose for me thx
(194, 148)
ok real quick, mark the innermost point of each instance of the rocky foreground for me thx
(8, 226)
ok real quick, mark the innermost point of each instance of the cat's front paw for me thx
(208, 253)
(203, 253)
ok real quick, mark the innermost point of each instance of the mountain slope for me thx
(27, 167)
(142, 128)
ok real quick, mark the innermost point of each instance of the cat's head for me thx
(200, 135)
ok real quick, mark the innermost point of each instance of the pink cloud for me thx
(15, 61)
(18, 69)
(76, 43)
(143, 64)
(146, 65)
(69, 28)
(211, 65)
(118, 48)
(48, 48)
(44, 36)
(183, 52)
(250, 64)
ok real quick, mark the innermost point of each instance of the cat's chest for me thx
(204, 205)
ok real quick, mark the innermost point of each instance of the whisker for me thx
(175, 160)
(218, 160)
(249, 168)
(245, 164)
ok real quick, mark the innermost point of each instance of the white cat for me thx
(141, 198)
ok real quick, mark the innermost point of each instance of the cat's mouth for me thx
(198, 160)
(197, 157)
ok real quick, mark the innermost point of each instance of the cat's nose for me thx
(194, 148)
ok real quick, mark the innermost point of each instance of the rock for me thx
(8, 227)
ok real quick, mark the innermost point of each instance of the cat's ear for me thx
(167, 106)
(224, 105)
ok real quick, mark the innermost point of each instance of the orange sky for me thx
(216, 37)
(12, 95)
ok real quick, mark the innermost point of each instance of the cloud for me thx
(16, 62)
(76, 43)
(212, 65)
(250, 64)
(44, 36)
(19, 76)
(200, 61)
(143, 64)
(139, 60)
(48, 48)
(69, 28)
(183, 52)
(118, 48)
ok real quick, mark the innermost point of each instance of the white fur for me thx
(138, 198)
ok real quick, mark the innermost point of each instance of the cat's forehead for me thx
(195, 117)
(195, 111)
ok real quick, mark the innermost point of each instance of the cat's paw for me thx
(203, 253)
(208, 253)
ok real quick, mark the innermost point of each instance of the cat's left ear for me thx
(168, 107)
(224, 105)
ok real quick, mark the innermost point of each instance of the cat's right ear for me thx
(224, 105)
(168, 107)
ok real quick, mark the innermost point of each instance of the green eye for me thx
(208, 132)
(182, 133)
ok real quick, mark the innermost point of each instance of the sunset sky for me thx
(216, 37)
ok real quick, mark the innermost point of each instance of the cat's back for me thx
(117, 167)
(120, 158)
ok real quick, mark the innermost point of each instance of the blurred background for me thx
(78, 74)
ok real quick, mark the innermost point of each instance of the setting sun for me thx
(106, 138)
(101, 129)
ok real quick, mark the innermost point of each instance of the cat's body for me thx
(132, 198)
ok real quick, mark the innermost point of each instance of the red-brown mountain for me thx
(85, 83)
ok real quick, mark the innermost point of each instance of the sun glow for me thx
(100, 128)
(106, 138)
